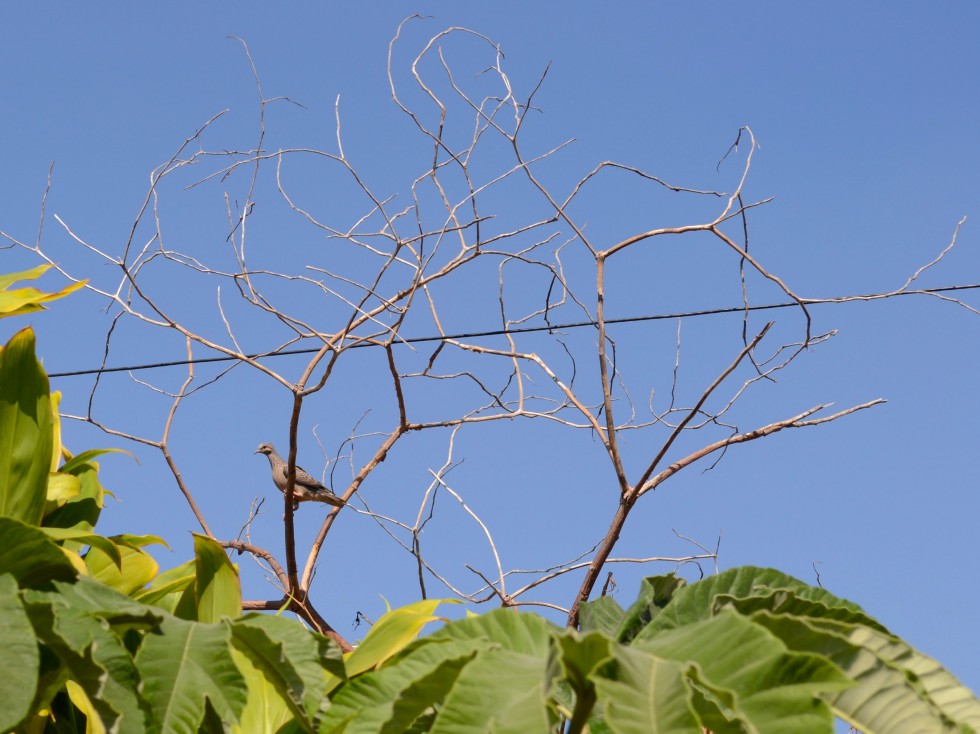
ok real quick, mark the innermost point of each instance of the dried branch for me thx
(438, 254)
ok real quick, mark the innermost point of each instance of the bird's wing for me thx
(302, 477)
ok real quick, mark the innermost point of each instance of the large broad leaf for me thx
(18, 654)
(27, 300)
(86, 596)
(793, 603)
(776, 689)
(266, 709)
(392, 633)
(898, 690)
(184, 666)
(500, 691)
(80, 538)
(82, 624)
(495, 672)
(642, 693)
(524, 633)
(401, 693)
(30, 556)
(602, 615)
(482, 699)
(701, 600)
(26, 430)
(580, 657)
(291, 659)
(219, 592)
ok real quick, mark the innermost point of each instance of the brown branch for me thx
(305, 611)
(794, 422)
(609, 438)
(165, 448)
(265, 555)
(379, 456)
(629, 500)
(698, 405)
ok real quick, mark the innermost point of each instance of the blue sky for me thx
(866, 116)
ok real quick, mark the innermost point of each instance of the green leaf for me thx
(26, 430)
(87, 596)
(457, 670)
(76, 462)
(656, 592)
(581, 655)
(219, 593)
(777, 689)
(700, 600)
(603, 615)
(169, 586)
(484, 700)
(83, 538)
(18, 657)
(82, 624)
(524, 633)
(401, 692)
(266, 709)
(392, 633)
(898, 689)
(28, 300)
(184, 665)
(294, 660)
(642, 693)
(790, 602)
(32, 557)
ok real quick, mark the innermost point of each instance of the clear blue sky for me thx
(867, 117)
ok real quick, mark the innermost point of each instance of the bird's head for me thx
(265, 448)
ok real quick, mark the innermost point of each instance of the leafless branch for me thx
(436, 252)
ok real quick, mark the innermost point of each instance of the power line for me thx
(530, 329)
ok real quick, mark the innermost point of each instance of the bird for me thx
(305, 489)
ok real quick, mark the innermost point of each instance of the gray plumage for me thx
(305, 489)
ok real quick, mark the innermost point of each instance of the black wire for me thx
(529, 329)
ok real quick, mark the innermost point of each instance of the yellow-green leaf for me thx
(392, 633)
(27, 300)
(168, 587)
(265, 709)
(26, 425)
(136, 567)
(55, 431)
(61, 488)
(93, 722)
(219, 593)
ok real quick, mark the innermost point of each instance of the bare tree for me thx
(482, 224)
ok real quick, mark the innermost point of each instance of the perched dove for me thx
(306, 488)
